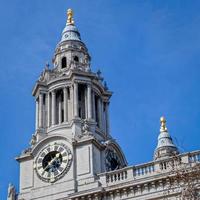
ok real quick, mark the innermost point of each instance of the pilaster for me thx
(65, 104)
(40, 110)
(36, 113)
(89, 101)
(59, 110)
(53, 117)
(49, 110)
(75, 100)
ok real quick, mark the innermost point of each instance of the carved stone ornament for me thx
(11, 192)
(33, 140)
(42, 75)
(85, 128)
(26, 151)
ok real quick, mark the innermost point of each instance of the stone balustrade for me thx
(145, 169)
(119, 175)
(150, 169)
(194, 157)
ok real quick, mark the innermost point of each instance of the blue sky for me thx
(148, 52)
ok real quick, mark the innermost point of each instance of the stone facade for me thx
(72, 154)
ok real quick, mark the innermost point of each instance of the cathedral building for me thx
(73, 156)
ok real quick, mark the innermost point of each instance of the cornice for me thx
(89, 140)
(24, 157)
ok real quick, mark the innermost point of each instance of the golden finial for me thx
(163, 127)
(70, 20)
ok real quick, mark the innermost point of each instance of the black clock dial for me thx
(52, 161)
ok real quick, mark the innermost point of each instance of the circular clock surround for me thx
(53, 161)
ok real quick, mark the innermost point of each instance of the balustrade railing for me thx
(148, 169)
(194, 157)
(144, 169)
(116, 176)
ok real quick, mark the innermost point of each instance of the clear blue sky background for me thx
(148, 51)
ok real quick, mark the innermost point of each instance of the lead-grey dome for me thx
(70, 32)
(165, 147)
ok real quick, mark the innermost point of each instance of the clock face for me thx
(112, 160)
(53, 162)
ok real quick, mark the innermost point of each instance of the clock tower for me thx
(72, 141)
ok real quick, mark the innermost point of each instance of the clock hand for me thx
(51, 162)
(55, 158)
(48, 165)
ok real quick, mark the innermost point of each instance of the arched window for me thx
(64, 62)
(76, 58)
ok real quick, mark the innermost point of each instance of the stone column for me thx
(53, 109)
(107, 119)
(40, 109)
(86, 103)
(49, 110)
(89, 101)
(45, 108)
(71, 107)
(36, 113)
(93, 106)
(102, 116)
(75, 100)
(99, 113)
(65, 104)
(59, 110)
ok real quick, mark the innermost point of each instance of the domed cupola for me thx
(70, 31)
(165, 147)
(71, 53)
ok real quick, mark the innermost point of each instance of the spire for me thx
(70, 20)
(165, 147)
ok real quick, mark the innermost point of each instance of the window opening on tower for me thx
(44, 99)
(64, 62)
(59, 107)
(76, 58)
(68, 93)
(62, 116)
(82, 101)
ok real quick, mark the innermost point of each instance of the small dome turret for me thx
(165, 147)
(71, 52)
(70, 31)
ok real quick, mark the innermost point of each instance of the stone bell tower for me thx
(72, 141)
